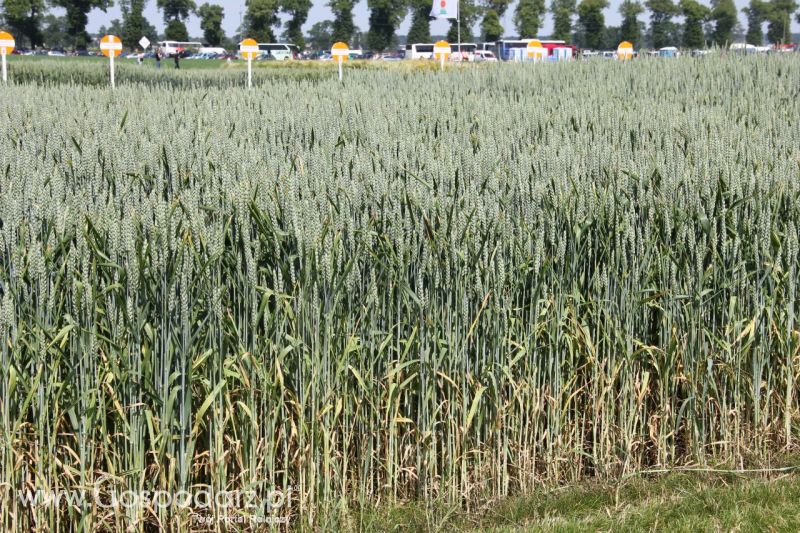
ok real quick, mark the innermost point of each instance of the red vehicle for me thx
(560, 49)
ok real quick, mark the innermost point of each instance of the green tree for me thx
(756, 13)
(725, 19)
(611, 37)
(469, 14)
(24, 18)
(359, 39)
(211, 17)
(491, 27)
(779, 18)
(320, 36)
(591, 23)
(175, 14)
(737, 35)
(261, 16)
(55, 31)
(563, 11)
(176, 30)
(661, 25)
(134, 24)
(501, 6)
(298, 12)
(384, 17)
(176, 9)
(115, 28)
(630, 30)
(77, 15)
(528, 17)
(695, 14)
(343, 26)
(420, 30)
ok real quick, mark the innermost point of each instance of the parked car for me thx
(279, 51)
(484, 56)
(212, 51)
(204, 55)
(668, 51)
(57, 52)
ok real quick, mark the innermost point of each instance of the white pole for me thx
(5, 71)
(341, 60)
(458, 19)
(111, 58)
(441, 58)
(249, 71)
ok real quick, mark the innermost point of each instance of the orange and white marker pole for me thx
(441, 51)
(7, 45)
(625, 51)
(111, 47)
(340, 51)
(249, 51)
(536, 51)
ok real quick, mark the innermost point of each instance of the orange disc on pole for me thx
(249, 49)
(340, 50)
(536, 51)
(625, 50)
(7, 43)
(111, 46)
(441, 48)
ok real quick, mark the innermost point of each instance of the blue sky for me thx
(320, 11)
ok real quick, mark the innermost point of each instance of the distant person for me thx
(177, 57)
(158, 57)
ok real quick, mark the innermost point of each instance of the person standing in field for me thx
(177, 57)
(158, 57)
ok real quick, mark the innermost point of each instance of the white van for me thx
(207, 50)
(171, 48)
(484, 56)
(278, 51)
(419, 51)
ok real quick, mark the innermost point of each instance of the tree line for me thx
(579, 22)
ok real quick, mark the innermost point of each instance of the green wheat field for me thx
(411, 287)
